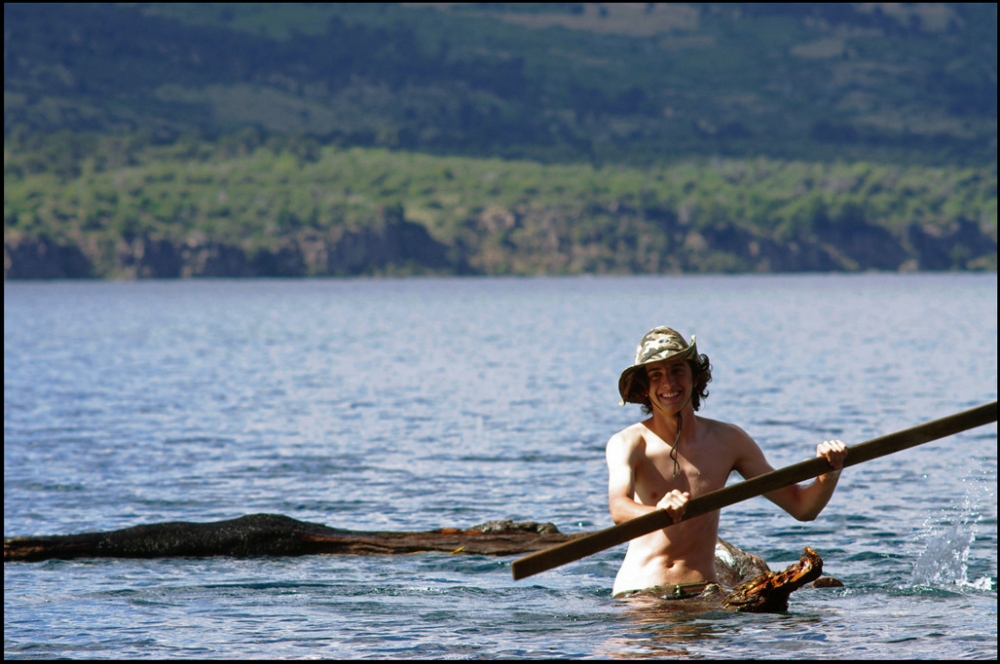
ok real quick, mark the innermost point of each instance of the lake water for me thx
(428, 403)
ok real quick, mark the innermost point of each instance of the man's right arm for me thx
(621, 457)
(621, 479)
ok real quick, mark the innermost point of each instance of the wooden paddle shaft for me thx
(777, 479)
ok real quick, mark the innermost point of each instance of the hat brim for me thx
(626, 379)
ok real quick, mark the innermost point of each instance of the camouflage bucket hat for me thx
(660, 343)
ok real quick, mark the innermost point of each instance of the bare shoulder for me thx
(726, 433)
(747, 457)
(626, 441)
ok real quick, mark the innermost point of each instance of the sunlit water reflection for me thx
(419, 404)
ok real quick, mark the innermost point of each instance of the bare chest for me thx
(698, 470)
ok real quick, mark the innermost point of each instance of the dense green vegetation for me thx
(165, 140)
(551, 82)
(499, 216)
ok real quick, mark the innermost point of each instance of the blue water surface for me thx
(425, 403)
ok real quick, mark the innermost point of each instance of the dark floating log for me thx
(276, 535)
(768, 593)
(733, 565)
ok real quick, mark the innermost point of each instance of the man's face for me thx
(670, 384)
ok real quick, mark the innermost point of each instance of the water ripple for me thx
(205, 400)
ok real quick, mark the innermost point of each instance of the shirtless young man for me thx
(675, 455)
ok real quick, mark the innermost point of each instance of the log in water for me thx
(277, 535)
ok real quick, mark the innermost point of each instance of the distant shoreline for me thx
(41, 261)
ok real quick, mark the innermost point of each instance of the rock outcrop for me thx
(500, 241)
(43, 258)
(389, 247)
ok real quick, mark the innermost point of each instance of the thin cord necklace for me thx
(673, 452)
(677, 438)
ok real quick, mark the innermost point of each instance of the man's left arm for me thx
(802, 502)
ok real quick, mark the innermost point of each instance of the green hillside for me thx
(621, 82)
(172, 140)
(247, 207)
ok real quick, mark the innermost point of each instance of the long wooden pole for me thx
(793, 474)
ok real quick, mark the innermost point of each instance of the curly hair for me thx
(702, 375)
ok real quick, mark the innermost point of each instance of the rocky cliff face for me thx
(502, 241)
(42, 258)
(394, 246)
(618, 239)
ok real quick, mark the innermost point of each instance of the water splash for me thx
(948, 539)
